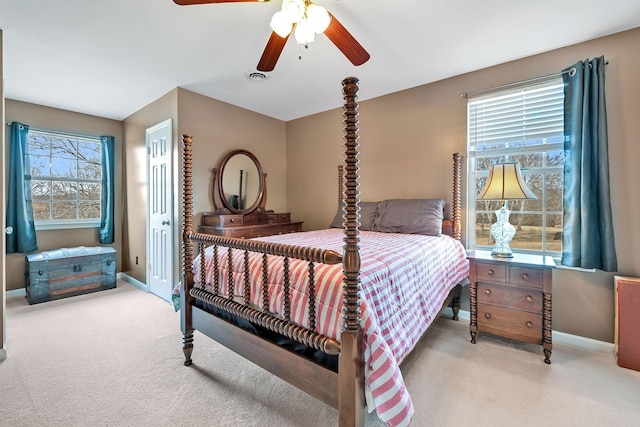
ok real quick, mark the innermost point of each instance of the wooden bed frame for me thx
(343, 390)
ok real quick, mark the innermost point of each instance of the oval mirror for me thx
(240, 182)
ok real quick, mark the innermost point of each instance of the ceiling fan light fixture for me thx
(318, 18)
(304, 32)
(294, 9)
(281, 24)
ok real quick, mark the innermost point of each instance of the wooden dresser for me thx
(248, 226)
(511, 297)
(240, 197)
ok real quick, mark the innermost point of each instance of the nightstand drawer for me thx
(510, 296)
(531, 277)
(510, 323)
(491, 272)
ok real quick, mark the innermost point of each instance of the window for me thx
(525, 125)
(66, 179)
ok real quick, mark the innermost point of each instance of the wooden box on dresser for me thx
(248, 226)
(511, 297)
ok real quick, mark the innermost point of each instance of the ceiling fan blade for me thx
(344, 41)
(190, 2)
(272, 52)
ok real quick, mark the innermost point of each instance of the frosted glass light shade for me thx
(281, 24)
(304, 33)
(294, 9)
(318, 18)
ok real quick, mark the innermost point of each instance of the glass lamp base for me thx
(502, 232)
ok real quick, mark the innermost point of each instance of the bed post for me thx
(351, 402)
(187, 251)
(457, 197)
(457, 223)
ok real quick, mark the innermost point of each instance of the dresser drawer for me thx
(511, 323)
(491, 272)
(283, 217)
(531, 277)
(230, 220)
(510, 296)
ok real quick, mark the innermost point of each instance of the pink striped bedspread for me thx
(405, 280)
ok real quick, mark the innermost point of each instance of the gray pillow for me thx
(410, 216)
(368, 213)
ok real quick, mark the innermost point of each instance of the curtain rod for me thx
(61, 133)
(570, 71)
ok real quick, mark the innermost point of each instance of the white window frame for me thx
(501, 142)
(71, 223)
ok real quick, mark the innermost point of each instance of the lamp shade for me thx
(505, 183)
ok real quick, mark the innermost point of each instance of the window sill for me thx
(566, 267)
(67, 225)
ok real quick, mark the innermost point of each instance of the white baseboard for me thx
(558, 337)
(582, 342)
(124, 276)
(135, 282)
(16, 293)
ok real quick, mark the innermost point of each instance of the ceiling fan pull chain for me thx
(306, 46)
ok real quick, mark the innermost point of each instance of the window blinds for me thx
(516, 119)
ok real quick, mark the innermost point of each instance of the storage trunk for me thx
(66, 272)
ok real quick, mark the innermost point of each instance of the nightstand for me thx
(511, 297)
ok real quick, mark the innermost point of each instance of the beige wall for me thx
(66, 121)
(135, 170)
(217, 128)
(406, 141)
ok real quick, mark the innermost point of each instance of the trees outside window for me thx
(66, 179)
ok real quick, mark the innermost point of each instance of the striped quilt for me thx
(405, 280)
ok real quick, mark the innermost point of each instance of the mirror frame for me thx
(222, 204)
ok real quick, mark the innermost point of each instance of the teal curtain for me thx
(19, 209)
(588, 240)
(108, 190)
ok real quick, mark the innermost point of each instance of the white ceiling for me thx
(110, 58)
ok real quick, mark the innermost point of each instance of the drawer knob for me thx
(487, 316)
(491, 272)
(487, 291)
(232, 220)
(525, 276)
(529, 298)
(529, 325)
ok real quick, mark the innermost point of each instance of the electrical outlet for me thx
(136, 260)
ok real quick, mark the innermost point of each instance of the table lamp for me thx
(504, 183)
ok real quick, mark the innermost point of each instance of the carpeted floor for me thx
(114, 358)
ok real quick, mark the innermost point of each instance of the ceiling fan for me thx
(303, 19)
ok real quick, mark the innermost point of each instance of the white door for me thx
(160, 221)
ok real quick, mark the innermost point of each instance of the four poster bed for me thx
(336, 322)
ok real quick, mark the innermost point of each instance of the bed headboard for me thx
(450, 226)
